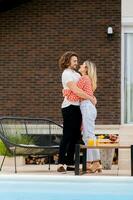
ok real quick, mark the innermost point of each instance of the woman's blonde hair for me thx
(92, 73)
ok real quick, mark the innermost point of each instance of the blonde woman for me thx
(88, 83)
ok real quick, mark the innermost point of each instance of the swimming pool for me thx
(34, 187)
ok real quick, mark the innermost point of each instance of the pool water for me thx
(30, 187)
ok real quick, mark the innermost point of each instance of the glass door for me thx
(128, 78)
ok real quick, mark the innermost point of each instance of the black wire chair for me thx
(29, 136)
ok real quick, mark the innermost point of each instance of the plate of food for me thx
(106, 141)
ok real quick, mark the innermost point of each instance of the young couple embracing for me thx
(78, 110)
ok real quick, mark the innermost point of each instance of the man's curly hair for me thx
(64, 61)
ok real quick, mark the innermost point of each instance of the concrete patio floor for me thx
(43, 170)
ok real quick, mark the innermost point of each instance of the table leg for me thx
(84, 161)
(131, 160)
(77, 158)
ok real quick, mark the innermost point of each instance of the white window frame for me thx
(127, 27)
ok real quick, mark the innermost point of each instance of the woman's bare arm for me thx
(80, 93)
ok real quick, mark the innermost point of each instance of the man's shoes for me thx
(61, 169)
(70, 168)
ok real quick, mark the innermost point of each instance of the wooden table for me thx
(83, 148)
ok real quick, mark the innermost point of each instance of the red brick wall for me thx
(32, 38)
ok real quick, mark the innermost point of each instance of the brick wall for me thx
(32, 38)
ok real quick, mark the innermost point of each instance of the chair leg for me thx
(14, 154)
(3, 160)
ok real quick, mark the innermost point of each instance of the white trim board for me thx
(127, 21)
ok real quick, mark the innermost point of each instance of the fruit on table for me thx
(113, 137)
(101, 137)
